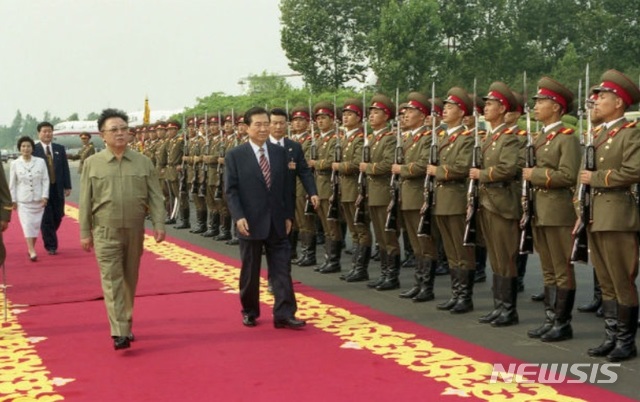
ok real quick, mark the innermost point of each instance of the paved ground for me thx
(588, 329)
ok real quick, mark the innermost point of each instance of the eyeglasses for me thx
(115, 130)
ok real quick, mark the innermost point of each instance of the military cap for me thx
(85, 135)
(143, 129)
(499, 91)
(240, 118)
(552, 89)
(519, 101)
(353, 105)
(151, 127)
(174, 124)
(592, 95)
(201, 121)
(479, 104)
(618, 83)
(228, 117)
(402, 108)
(325, 108)
(438, 107)
(459, 96)
(383, 103)
(214, 119)
(134, 130)
(161, 125)
(418, 101)
(300, 112)
(191, 121)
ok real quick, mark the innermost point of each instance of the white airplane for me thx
(67, 133)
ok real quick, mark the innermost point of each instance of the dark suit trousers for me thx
(51, 219)
(279, 269)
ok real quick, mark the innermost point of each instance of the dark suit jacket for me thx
(303, 171)
(248, 196)
(60, 166)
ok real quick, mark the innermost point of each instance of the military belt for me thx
(600, 191)
(449, 183)
(496, 184)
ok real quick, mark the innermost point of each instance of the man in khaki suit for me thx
(557, 152)
(499, 199)
(378, 170)
(119, 188)
(455, 153)
(613, 233)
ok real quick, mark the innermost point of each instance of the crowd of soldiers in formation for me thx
(451, 189)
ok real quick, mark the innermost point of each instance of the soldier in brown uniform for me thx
(416, 145)
(352, 143)
(324, 114)
(187, 170)
(87, 149)
(378, 171)
(499, 199)
(196, 176)
(557, 154)
(231, 140)
(210, 158)
(455, 152)
(173, 170)
(613, 232)
(150, 144)
(161, 162)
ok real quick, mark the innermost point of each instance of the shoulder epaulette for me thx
(466, 132)
(522, 132)
(567, 131)
(630, 124)
(507, 131)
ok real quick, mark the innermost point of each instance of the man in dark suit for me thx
(60, 184)
(259, 196)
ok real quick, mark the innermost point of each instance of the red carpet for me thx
(190, 344)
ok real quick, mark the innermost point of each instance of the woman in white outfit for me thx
(29, 185)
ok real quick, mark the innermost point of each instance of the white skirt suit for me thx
(29, 184)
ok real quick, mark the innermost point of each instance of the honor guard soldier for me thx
(175, 150)
(241, 128)
(557, 156)
(300, 118)
(352, 143)
(161, 162)
(187, 165)
(227, 227)
(499, 200)
(133, 132)
(613, 232)
(378, 171)
(196, 147)
(87, 149)
(150, 144)
(210, 158)
(480, 248)
(324, 114)
(455, 152)
(416, 147)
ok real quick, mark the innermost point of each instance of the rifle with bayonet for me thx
(222, 148)
(471, 225)
(426, 212)
(333, 213)
(359, 217)
(202, 191)
(526, 230)
(391, 223)
(195, 186)
(308, 206)
(183, 184)
(580, 250)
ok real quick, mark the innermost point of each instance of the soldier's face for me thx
(452, 114)
(228, 127)
(278, 126)
(493, 110)
(350, 119)
(85, 140)
(511, 118)
(413, 118)
(259, 128)
(242, 129)
(377, 118)
(152, 135)
(161, 133)
(325, 123)
(608, 106)
(299, 125)
(469, 121)
(544, 110)
(172, 132)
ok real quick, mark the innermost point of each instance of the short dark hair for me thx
(278, 111)
(109, 113)
(44, 124)
(254, 111)
(25, 138)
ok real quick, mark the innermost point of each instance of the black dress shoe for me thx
(131, 337)
(248, 321)
(52, 251)
(292, 323)
(121, 342)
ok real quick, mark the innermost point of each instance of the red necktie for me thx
(264, 166)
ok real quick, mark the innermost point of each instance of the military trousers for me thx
(501, 237)
(554, 244)
(360, 234)
(118, 251)
(451, 228)
(615, 258)
(386, 240)
(304, 223)
(423, 247)
(332, 230)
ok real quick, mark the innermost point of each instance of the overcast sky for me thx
(69, 56)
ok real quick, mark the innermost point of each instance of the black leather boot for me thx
(596, 302)
(383, 271)
(561, 329)
(481, 264)
(354, 256)
(334, 258)
(225, 229)
(626, 336)
(375, 253)
(497, 301)
(509, 296)
(521, 266)
(233, 241)
(327, 253)
(392, 280)
(213, 228)
(464, 304)
(409, 260)
(363, 257)
(455, 290)
(443, 262)
(549, 313)
(610, 311)
(308, 257)
(201, 222)
(293, 241)
(184, 219)
(426, 283)
(415, 289)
